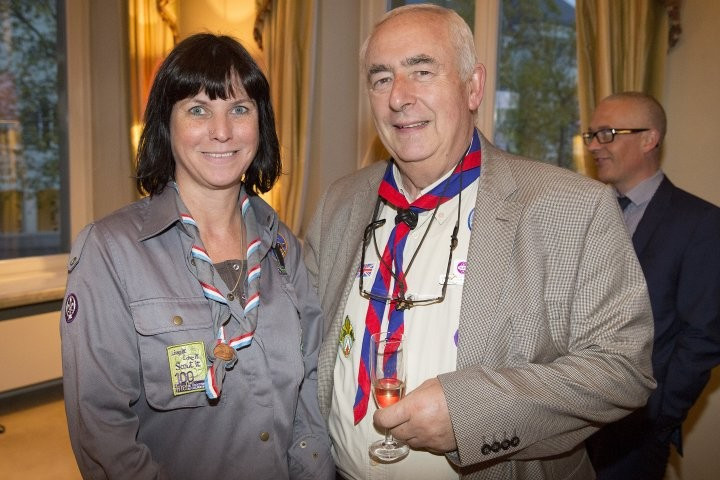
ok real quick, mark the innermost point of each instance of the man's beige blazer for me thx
(555, 326)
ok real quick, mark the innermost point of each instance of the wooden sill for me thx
(31, 280)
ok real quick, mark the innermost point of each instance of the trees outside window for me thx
(536, 108)
(31, 152)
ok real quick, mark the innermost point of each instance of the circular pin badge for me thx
(470, 219)
(71, 308)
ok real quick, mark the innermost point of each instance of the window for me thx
(33, 207)
(536, 108)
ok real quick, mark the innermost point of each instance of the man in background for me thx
(527, 319)
(677, 240)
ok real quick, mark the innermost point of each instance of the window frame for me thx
(30, 280)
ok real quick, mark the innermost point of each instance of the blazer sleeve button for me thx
(505, 444)
(515, 441)
(495, 447)
(485, 450)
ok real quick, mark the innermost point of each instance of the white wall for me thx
(692, 162)
(692, 102)
(30, 359)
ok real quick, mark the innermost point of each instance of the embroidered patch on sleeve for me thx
(71, 307)
(187, 367)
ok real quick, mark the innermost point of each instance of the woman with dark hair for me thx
(190, 331)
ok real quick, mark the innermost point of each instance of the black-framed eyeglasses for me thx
(401, 301)
(607, 135)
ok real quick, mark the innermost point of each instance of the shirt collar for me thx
(401, 188)
(162, 212)
(644, 191)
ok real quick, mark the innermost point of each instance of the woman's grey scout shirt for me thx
(136, 323)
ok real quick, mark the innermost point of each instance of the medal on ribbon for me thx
(232, 332)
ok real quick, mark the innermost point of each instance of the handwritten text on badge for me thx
(187, 367)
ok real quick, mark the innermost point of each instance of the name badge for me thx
(187, 367)
(457, 273)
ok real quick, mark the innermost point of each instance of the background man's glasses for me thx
(607, 135)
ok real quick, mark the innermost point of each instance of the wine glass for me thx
(387, 374)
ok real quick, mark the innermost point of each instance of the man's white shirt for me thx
(431, 335)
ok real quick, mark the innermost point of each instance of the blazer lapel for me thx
(348, 255)
(344, 266)
(495, 222)
(659, 204)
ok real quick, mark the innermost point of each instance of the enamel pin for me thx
(347, 337)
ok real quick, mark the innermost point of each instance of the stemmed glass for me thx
(387, 374)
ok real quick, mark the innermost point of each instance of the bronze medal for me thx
(223, 351)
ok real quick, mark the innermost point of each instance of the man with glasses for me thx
(677, 240)
(525, 313)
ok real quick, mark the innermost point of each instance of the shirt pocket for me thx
(173, 338)
(280, 326)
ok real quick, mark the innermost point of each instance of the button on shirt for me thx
(639, 197)
(431, 336)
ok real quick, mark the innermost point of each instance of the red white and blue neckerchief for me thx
(466, 172)
(229, 329)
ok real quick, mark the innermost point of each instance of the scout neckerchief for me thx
(231, 332)
(466, 172)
